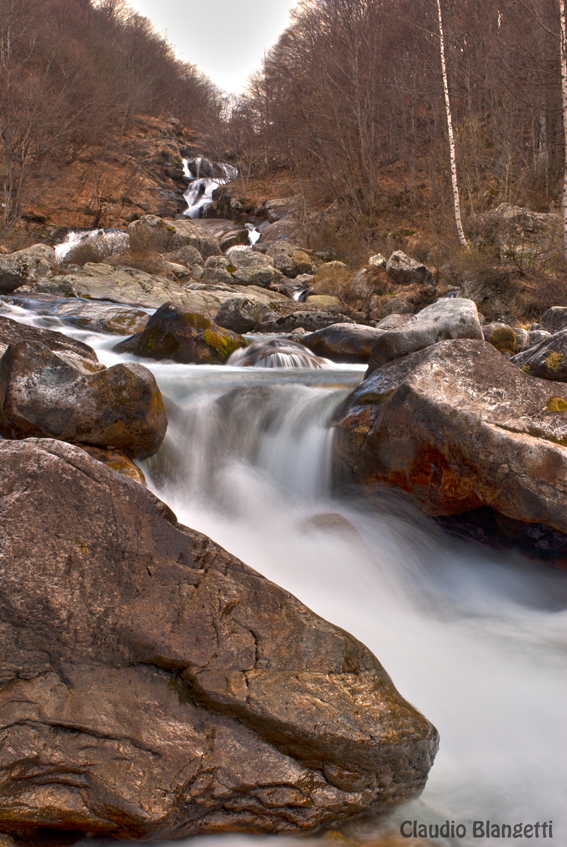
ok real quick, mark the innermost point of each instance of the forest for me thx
(348, 105)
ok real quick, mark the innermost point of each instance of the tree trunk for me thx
(564, 104)
(456, 198)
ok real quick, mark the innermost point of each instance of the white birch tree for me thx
(452, 154)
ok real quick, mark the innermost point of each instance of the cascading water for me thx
(474, 639)
(101, 243)
(204, 177)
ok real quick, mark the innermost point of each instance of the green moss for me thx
(231, 268)
(554, 360)
(557, 404)
(375, 397)
(156, 341)
(221, 343)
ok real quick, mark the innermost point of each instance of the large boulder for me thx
(404, 270)
(25, 267)
(153, 686)
(151, 233)
(46, 394)
(343, 342)
(459, 427)
(240, 314)
(547, 360)
(184, 336)
(451, 318)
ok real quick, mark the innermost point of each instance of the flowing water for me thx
(474, 639)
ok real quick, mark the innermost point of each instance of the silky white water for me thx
(473, 639)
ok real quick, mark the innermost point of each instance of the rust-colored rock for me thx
(118, 461)
(188, 337)
(44, 394)
(152, 685)
(459, 427)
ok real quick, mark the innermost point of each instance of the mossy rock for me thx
(187, 337)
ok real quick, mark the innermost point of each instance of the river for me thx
(473, 638)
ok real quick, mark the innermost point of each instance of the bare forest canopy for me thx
(354, 87)
(70, 70)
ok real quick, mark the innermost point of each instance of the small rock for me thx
(405, 270)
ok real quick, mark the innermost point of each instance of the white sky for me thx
(226, 39)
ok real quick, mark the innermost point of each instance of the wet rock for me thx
(154, 686)
(240, 314)
(277, 353)
(547, 360)
(343, 342)
(445, 319)
(73, 350)
(554, 319)
(152, 233)
(184, 336)
(25, 267)
(501, 336)
(101, 317)
(404, 270)
(459, 427)
(46, 394)
(233, 238)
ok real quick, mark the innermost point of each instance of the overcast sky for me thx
(225, 38)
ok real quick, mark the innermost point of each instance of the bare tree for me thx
(564, 112)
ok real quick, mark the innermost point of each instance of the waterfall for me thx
(204, 177)
(94, 245)
(473, 638)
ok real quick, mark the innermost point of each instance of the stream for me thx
(473, 638)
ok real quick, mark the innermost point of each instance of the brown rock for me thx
(152, 685)
(459, 427)
(343, 342)
(177, 333)
(117, 461)
(73, 350)
(45, 394)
